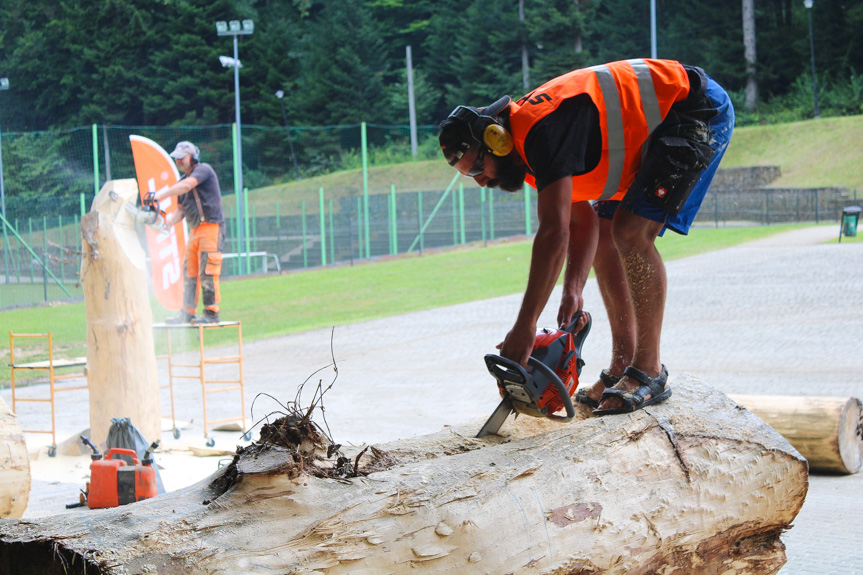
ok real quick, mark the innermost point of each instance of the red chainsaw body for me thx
(556, 349)
(558, 344)
(114, 483)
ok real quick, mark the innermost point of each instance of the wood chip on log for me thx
(696, 485)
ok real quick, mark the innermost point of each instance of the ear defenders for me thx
(495, 138)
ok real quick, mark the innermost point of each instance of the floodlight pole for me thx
(281, 94)
(653, 29)
(808, 5)
(4, 85)
(234, 28)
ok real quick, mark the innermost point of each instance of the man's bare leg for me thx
(611, 278)
(634, 239)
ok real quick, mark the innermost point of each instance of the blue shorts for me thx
(635, 200)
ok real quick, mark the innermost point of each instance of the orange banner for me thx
(156, 171)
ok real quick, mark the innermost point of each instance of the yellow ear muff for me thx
(497, 139)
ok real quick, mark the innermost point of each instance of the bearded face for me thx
(510, 175)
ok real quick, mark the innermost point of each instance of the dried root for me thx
(310, 445)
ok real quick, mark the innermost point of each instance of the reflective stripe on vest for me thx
(645, 107)
(614, 118)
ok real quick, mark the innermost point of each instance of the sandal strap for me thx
(632, 399)
(655, 385)
(607, 379)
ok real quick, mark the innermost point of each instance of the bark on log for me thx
(696, 485)
(121, 362)
(14, 466)
(827, 431)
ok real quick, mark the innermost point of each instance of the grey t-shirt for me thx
(209, 194)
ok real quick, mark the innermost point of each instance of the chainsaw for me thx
(549, 381)
(148, 214)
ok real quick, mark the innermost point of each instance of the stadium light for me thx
(229, 62)
(236, 28)
(808, 5)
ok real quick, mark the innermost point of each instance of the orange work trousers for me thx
(203, 267)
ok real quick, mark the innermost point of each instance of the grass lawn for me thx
(276, 305)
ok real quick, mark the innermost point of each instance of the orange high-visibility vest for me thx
(633, 97)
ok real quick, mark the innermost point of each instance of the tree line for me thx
(156, 62)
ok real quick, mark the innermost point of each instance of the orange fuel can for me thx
(113, 482)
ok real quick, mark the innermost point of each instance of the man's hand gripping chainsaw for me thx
(151, 214)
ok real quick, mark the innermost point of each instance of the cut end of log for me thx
(827, 431)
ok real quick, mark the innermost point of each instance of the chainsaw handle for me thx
(555, 380)
(120, 451)
(502, 369)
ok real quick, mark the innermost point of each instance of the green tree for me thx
(344, 66)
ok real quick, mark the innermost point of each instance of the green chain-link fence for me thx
(51, 179)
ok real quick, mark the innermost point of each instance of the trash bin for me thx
(850, 217)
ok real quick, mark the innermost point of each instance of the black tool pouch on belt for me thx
(679, 151)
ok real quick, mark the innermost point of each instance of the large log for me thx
(696, 485)
(14, 466)
(121, 362)
(827, 431)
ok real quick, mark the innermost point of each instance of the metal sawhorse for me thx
(197, 371)
(50, 365)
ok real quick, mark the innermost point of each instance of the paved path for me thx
(779, 316)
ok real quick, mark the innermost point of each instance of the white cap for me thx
(185, 148)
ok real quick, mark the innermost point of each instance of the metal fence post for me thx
(322, 219)
(95, 161)
(359, 228)
(332, 235)
(394, 233)
(44, 256)
(365, 152)
(60, 242)
(248, 265)
(816, 206)
(254, 231)
(455, 218)
(482, 214)
(491, 213)
(461, 212)
(716, 209)
(305, 251)
(420, 221)
(30, 235)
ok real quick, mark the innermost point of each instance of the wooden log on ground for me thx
(14, 466)
(827, 431)
(121, 361)
(696, 485)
